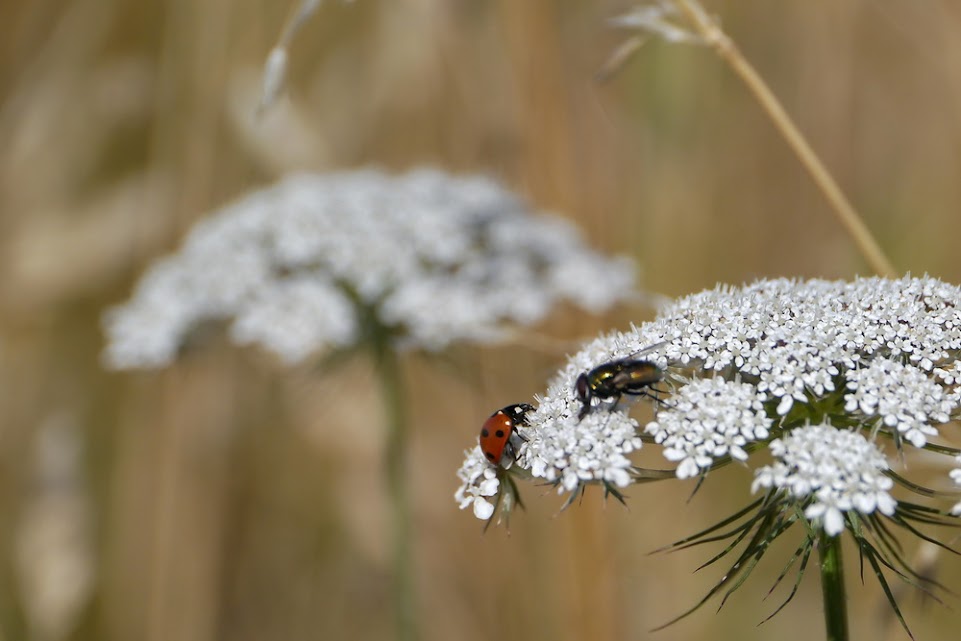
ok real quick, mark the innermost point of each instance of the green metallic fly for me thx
(623, 377)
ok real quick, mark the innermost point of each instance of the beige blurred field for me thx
(230, 498)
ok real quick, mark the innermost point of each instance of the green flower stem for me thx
(832, 588)
(392, 388)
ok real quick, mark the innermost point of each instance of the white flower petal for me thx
(482, 509)
(833, 521)
(787, 402)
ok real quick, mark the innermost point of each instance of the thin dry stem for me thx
(842, 207)
(275, 71)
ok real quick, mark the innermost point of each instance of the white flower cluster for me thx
(904, 397)
(579, 451)
(797, 336)
(795, 340)
(478, 482)
(788, 341)
(735, 357)
(840, 469)
(708, 419)
(435, 258)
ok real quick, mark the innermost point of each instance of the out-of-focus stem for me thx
(842, 207)
(392, 388)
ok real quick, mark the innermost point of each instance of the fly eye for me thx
(582, 388)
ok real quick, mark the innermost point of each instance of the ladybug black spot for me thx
(485, 433)
(499, 433)
(489, 455)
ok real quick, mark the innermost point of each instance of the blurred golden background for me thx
(230, 498)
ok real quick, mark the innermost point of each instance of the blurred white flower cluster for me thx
(751, 364)
(303, 265)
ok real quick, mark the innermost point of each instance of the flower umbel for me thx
(842, 382)
(832, 471)
(306, 265)
(710, 419)
(903, 397)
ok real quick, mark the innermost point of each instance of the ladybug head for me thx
(519, 412)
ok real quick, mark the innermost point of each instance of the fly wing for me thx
(647, 350)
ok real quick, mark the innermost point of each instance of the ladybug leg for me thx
(511, 448)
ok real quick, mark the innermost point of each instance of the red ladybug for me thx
(495, 435)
